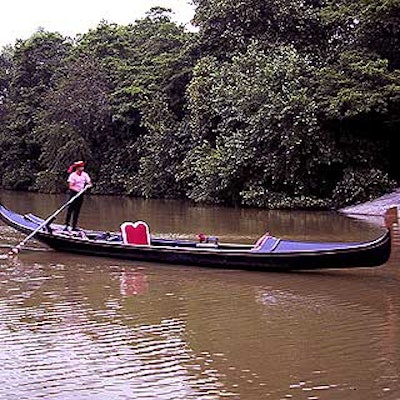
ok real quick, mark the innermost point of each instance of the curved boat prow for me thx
(384, 248)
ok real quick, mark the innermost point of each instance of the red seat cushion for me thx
(135, 233)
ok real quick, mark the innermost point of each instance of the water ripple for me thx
(52, 355)
(80, 328)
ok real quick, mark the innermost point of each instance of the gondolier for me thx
(78, 179)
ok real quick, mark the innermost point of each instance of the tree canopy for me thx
(277, 103)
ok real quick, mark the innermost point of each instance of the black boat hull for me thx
(366, 254)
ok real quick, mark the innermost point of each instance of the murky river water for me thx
(89, 328)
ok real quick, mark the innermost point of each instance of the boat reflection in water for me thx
(76, 327)
(70, 325)
(336, 320)
(133, 283)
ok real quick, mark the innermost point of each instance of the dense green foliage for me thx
(272, 103)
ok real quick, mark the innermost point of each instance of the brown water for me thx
(75, 327)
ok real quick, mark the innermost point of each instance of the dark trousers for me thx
(74, 209)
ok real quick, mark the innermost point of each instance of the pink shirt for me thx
(78, 182)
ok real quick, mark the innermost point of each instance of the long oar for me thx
(15, 250)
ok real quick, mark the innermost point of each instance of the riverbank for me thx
(376, 207)
(375, 210)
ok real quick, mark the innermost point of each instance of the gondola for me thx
(269, 253)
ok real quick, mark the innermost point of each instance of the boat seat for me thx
(266, 244)
(135, 233)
